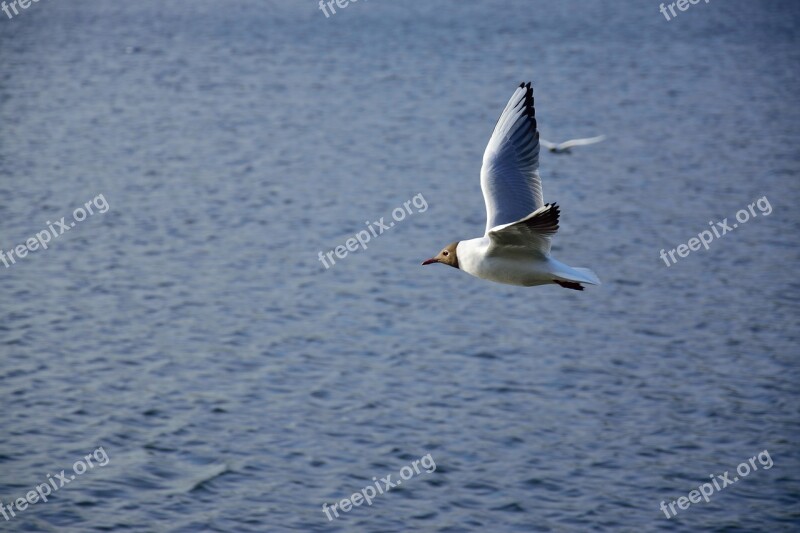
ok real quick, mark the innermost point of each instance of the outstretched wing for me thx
(547, 144)
(510, 181)
(532, 232)
(581, 142)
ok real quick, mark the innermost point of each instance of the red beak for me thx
(430, 261)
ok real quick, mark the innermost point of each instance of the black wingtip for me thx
(530, 108)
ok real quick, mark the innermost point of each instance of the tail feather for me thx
(589, 276)
(572, 277)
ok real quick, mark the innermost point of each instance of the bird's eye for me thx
(445, 253)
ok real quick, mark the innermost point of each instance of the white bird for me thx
(564, 148)
(516, 246)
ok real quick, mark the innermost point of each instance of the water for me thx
(237, 385)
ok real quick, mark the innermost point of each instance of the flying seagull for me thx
(564, 148)
(516, 247)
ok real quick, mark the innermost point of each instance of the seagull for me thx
(564, 148)
(515, 249)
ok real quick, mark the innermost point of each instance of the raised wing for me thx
(533, 232)
(581, 142)
(510, 181)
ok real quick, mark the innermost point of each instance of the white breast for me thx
(515, 267)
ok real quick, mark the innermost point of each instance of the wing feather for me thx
(532, 233)
(512, 188)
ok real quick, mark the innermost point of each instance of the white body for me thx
(517, 266)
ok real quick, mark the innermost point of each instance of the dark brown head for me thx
(447, 256)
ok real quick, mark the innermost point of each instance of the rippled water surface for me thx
(236, 385)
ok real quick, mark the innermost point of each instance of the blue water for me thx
(237, 385)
